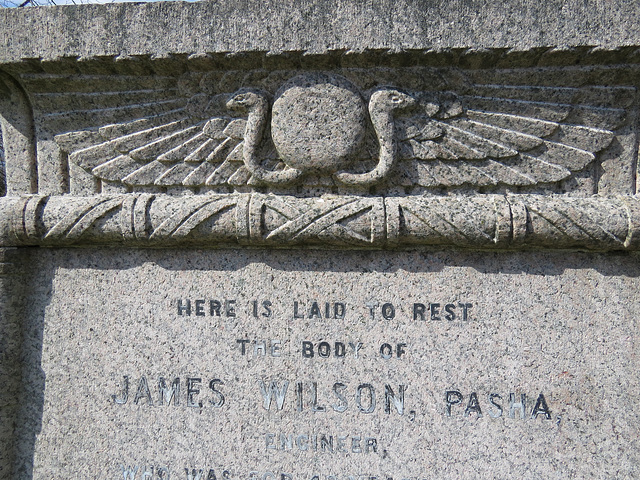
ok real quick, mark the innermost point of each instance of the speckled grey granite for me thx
(557, 325)
(314, 26)
(320, 240)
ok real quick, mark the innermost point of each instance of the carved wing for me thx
(512, 135)
(196, 144)
(151, 130)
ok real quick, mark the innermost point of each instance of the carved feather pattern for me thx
(185, 151)
(153, 131)
(505, 134)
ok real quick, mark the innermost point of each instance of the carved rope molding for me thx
(361, 150)
(479, 221)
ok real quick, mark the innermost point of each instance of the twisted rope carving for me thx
(481, 221)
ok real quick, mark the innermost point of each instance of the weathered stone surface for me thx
(14, 276)
(18, 146)
(553, 324)
(316, 27)
(394, 240)
(318, 122)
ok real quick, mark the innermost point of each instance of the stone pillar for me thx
(16, 121)
(11, 307)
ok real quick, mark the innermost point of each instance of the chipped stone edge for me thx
(439, 57)
(315, 26)
(266, 220)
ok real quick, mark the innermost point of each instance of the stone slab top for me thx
(312, 26)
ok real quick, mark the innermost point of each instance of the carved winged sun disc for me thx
(322, 123)
(318, 122)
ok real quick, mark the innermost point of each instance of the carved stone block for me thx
(321, 240)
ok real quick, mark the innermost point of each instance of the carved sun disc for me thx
(318, 122)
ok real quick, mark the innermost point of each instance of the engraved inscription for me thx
(326, 310)
(167, 392)
(516, 406)
(323, 443)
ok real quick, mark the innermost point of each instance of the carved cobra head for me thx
(247, 99)
(388, 99)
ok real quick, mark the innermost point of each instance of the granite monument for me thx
(320, 241)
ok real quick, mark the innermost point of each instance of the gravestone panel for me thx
(337, 365)
(320, 241)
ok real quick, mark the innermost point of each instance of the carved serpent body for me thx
(301, 159)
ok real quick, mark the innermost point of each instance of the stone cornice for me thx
(313, 27)
(458, 57)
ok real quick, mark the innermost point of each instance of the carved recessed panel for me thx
(373, 156)
(378, 130)
(275, 154)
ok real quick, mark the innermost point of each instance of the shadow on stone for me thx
(35, 295)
